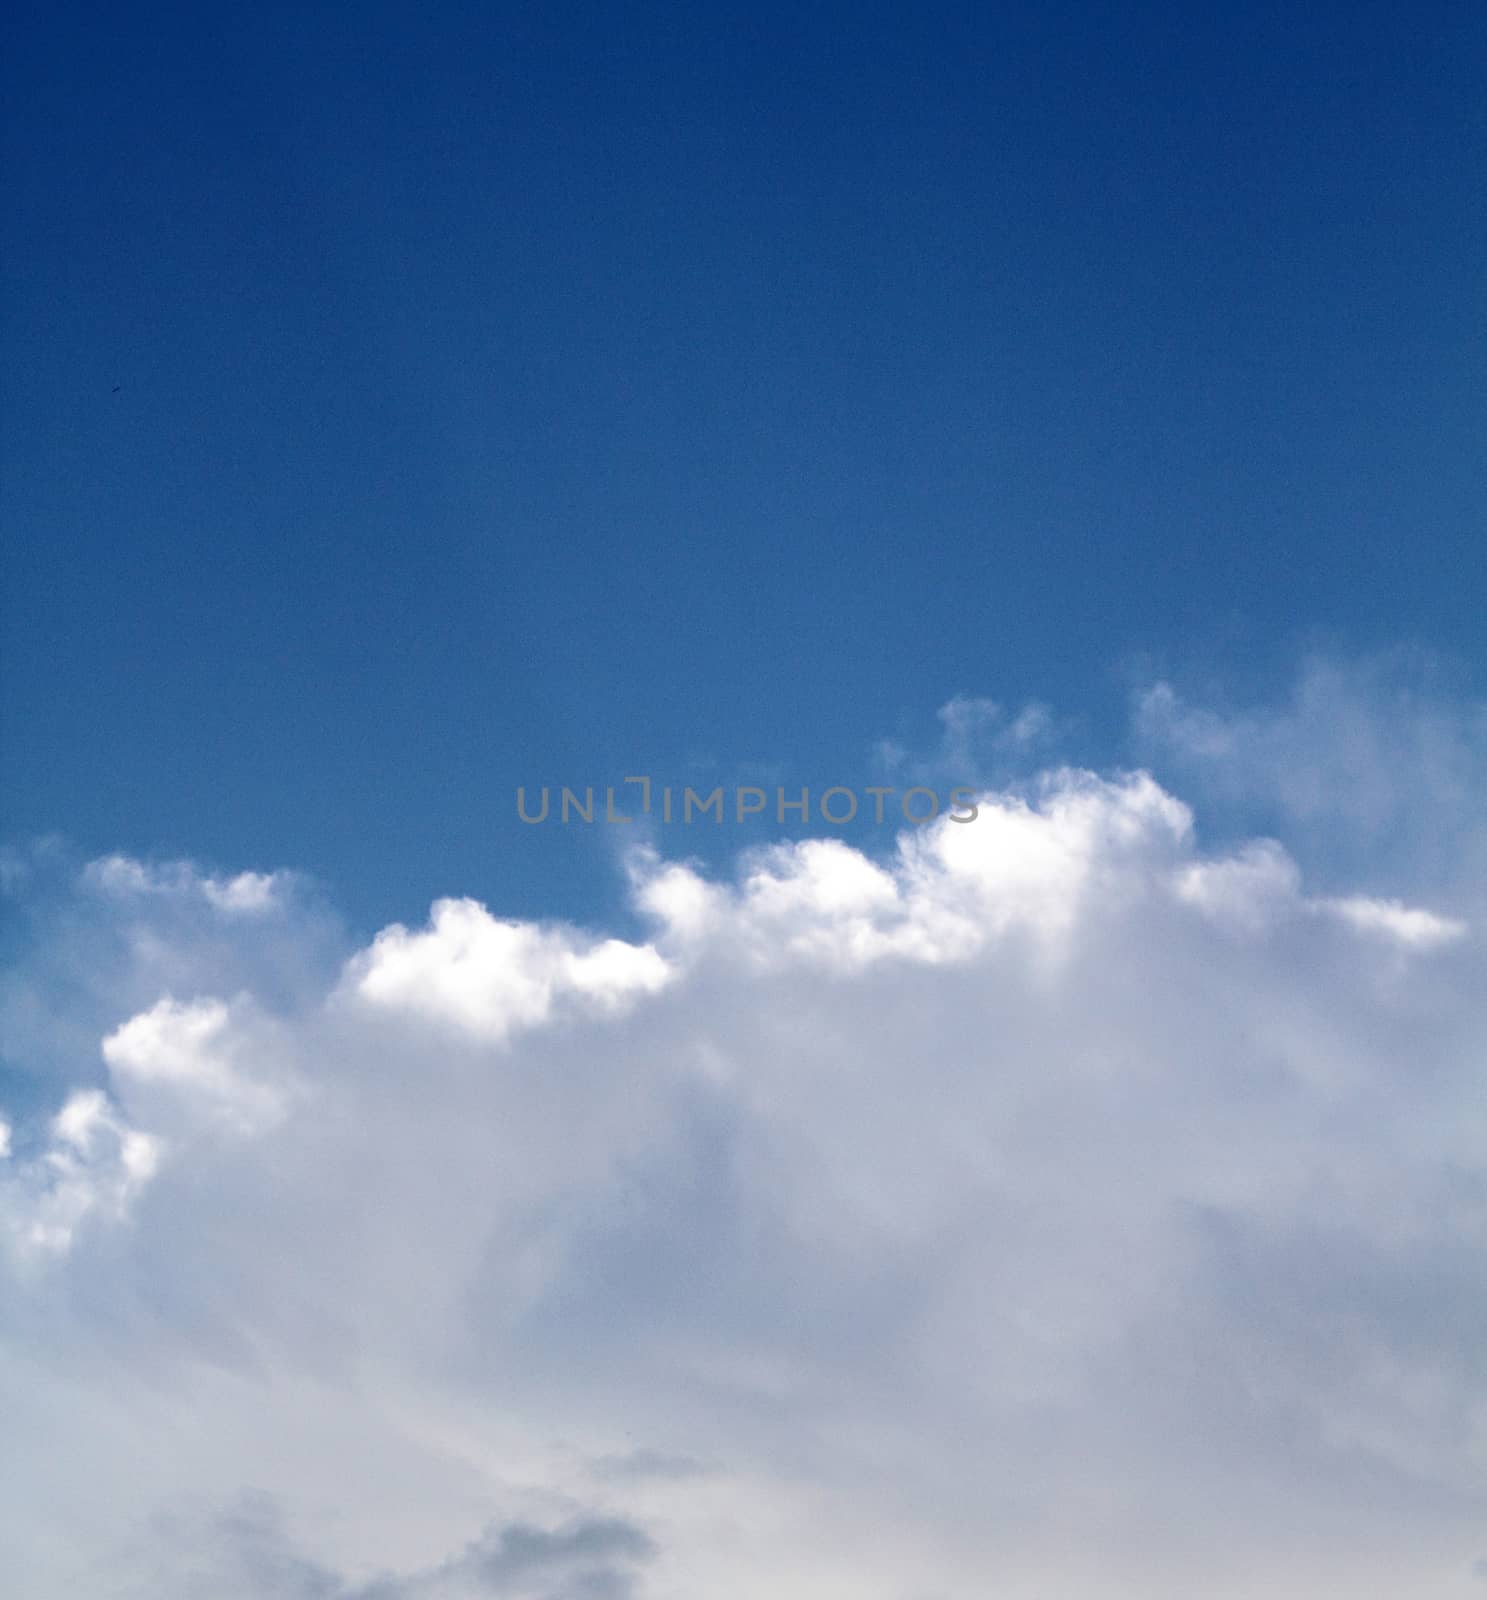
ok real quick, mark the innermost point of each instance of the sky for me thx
(403, 404)
(1079, 405)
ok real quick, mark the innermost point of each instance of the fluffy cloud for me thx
(490, 977)
(1051, 1206)
(93, 1162)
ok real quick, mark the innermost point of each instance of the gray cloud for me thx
(586, 1559)
(246, 1552)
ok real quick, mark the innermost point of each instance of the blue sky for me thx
(404, 403)
(1079, 403)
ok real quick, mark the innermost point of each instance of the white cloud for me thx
(93, 1164)
(1409, 925)
(490, 977)
(245, 894)
(1254, 888)
(1052, 1206)
(183, 1052)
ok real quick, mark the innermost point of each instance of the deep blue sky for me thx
(404, 403)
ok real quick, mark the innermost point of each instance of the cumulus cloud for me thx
(489, 976)
(183, 1061)
(1050, 1205)
(93, 1163)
